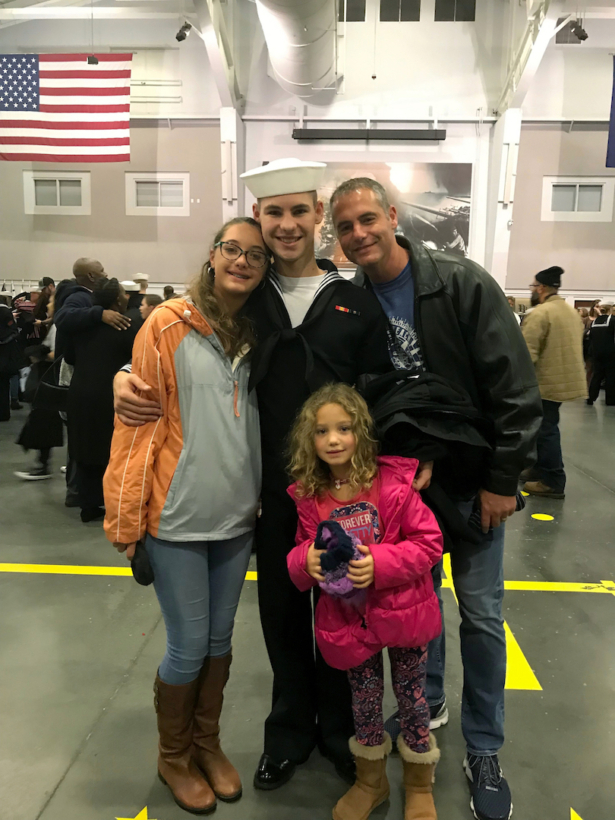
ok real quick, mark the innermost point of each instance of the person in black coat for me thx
(96, 355)
(602, 350)
(10, 358)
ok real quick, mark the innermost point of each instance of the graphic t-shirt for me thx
(397, 300)
(358, 516)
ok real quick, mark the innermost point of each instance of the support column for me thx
(503, 158)
(232, 147)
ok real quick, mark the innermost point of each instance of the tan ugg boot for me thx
(175, 713)
(419, 775)
(371, 787)
(207, 753)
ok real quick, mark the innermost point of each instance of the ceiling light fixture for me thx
(576, 27)
(183, 32)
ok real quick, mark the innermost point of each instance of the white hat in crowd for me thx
(129, 285)
(141, 277)
(284, 176)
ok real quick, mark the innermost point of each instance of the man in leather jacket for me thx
(449, 317)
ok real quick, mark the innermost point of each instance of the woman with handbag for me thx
(187, 487)
(96, 354)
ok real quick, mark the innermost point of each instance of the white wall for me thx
(575, 81)
(453, 68)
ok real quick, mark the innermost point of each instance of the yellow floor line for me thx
(65, 569)
(519, 674)
(602, 587)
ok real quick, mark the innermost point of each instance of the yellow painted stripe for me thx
(555, 586)
(65, 569)
(602, 587)
(574, 815)
(519, 674)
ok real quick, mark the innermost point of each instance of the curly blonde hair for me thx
(312, 474)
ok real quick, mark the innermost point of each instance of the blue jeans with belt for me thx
(198, 584)
(478, 575)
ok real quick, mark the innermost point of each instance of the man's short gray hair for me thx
(359, 184)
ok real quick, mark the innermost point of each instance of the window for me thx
(455, 11)
(578, 199)
(52, 192)
(400, 11)
(351, 11)
(158, 194)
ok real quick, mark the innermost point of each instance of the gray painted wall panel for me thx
(586, 250)
(169, 249)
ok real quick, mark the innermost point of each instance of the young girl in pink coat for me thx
(393, 604)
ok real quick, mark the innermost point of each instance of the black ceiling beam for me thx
(370, 134)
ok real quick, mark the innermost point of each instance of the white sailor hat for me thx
(129, 285)
(284, 176)
(140, 277)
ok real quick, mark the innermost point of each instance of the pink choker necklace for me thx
(339, 481)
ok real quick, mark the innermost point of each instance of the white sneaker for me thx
(63, 470)
(438, 716)
(37, 474)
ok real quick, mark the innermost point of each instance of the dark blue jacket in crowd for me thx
(74, 312)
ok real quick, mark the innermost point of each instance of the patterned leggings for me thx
(408, 670)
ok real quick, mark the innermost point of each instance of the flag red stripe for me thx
(48, 108)
(84, 75)
(83, 92)
(65, 157)
(85, 143)
(66, 126)
(80, 58)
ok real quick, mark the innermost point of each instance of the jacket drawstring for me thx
(235, 399)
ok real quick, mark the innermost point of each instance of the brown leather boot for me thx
(175, 713)
(371, 787)
(208, 755)
(419, 775)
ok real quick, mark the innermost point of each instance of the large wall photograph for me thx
(433, 202)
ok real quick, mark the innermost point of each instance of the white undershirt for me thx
(299, 294)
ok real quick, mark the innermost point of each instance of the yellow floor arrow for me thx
(574, 815)
(519, 674)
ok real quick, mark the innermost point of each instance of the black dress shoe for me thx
(271, 775)
(346, 769)
(344, 765)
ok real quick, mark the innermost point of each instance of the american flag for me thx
(58, 108)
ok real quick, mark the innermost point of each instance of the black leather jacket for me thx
(469, 335)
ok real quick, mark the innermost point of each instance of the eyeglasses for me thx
(232, 252)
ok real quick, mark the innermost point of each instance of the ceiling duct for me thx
(301, 38)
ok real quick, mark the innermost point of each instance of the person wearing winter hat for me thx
(554, 335)
(312, 327)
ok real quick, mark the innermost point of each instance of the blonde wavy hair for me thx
(312, 474)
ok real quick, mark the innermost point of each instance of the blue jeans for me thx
(198, 584)
(550, 464)
(478, 575)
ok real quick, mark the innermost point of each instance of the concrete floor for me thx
(78, 655)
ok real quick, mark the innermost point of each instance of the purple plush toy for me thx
(341, 548)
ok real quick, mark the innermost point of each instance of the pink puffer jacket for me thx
(402, 607)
